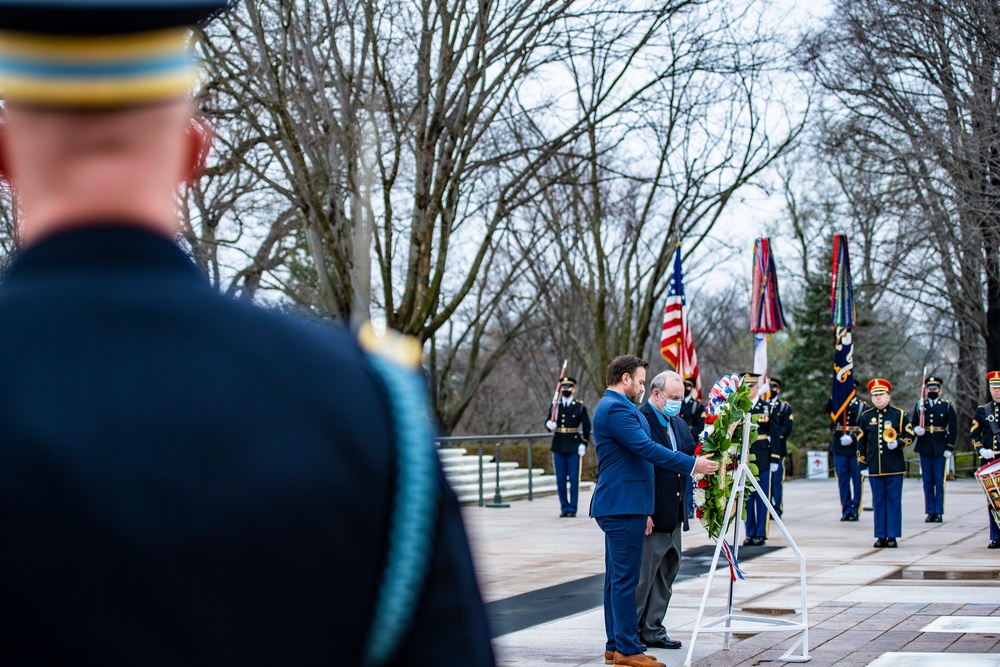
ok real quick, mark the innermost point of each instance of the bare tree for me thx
(917, 84)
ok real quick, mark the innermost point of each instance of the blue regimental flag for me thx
(842, 318)
(843, 372)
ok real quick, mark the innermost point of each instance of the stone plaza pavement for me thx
(935, 600)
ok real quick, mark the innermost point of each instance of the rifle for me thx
(555, 396)
(923, 392)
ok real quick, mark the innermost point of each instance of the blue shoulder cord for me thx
(414, 512)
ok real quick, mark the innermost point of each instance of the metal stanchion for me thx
(530, 447)
(497, 499)
(480, 443)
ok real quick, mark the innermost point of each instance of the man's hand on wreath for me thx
(704, 466)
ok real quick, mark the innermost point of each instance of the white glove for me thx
(581, 450)
(774, 467)
(846, 440)
(947, 453)
(551, 425)
(919, 430)
(864, 472)
(892, 444)
(987, 454)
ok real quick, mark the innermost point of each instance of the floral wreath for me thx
(721, 440)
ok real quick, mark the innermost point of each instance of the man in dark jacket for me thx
(935, 424)
(782, 422)
(569, 444)
(661, 551)
(185, 479)
(843, 445)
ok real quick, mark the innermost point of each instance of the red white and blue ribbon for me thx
(734, 565)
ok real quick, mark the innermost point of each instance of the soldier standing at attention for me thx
(692, 410)
(986, 438)
(568, 445)
(844, 446)
(885, 430)
(693, 414)
(757, 515)
(935, 444)
(782, 422)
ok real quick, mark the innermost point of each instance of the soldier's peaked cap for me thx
(879, 386)
(934, 381)
(99, 53)
(993, 378)
(688, 381)
(567, 382)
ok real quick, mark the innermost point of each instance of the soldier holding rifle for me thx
(569, 445)
(935, 424)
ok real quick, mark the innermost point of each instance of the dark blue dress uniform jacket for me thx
(571, 419)
(940, 426)
(185, 479)
(873, 454)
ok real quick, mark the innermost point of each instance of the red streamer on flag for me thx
(766, 314)
(676, 343)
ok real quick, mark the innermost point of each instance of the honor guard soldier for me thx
(761, 451)
(569, 445)
(885, 431)
(186, 478)
(986, 439)
(692, 410)
(845, 457)
(935, 444)
(782, 422)
(693, 414)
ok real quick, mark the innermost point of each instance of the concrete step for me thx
(511, 489)
(489, 475)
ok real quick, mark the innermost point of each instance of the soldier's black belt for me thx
(567, 430)
(849, 429)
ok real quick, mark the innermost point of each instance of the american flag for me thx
(676, 344)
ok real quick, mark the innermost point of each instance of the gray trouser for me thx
(661, 558)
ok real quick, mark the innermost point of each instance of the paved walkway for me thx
(865, 605)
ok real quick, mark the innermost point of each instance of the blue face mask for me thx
(672, 408)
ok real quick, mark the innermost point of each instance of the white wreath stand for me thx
(730, 622)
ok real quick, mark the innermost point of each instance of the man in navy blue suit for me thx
(661, 551)
(624, 499)
(187, 479)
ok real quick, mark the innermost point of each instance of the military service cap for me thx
(688, 381)
(993, 378)
(99, 53)
(934, 381)
(567, 382)
(879, 386)
(775, 382)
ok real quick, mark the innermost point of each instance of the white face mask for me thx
(638, 399)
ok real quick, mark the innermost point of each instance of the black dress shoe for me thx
(852, 517)
(664, 643)
(571, 514)
(845, 518)
(929, 519)
(749, 542)
(891, 543)
(880, 543)
(563, 515)
(938, 518)
(758, 541)
(995, 544)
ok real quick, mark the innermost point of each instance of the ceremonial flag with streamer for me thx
(676, 343)
(842, 321)
(766, 314)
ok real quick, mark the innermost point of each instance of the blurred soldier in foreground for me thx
(845, 457)
(986, 438)
(569, 446)
(185, 479)
(935, 424)
(885, 430)
(758, 518)
(782, 422)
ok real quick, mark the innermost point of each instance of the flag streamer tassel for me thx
(734, 565)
